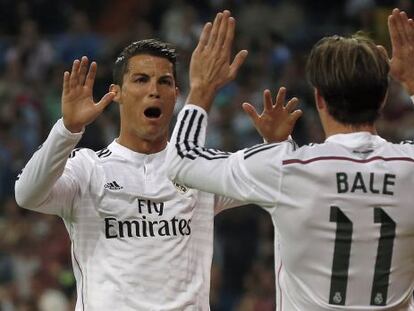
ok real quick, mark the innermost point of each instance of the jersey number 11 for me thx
(342, 251)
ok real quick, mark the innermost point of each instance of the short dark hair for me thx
(351, 74)
(152, 47)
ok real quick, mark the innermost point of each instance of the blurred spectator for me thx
(32, 54)
(38, 41)
(180, 26)
(79, 40)
(52, 300)
(260, 289)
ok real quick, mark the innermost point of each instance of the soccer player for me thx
(343, 214)
(139, 241)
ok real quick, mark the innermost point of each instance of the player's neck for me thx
(332, 127)
(145, 146)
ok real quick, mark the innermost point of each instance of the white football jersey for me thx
(139, 241)
(342, 210)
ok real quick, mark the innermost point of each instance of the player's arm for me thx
(275, 123)
(236, 175)
(46, 183)
(401, 30)
(222, 203)
(251, 175)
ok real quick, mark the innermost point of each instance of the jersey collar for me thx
(355, 139)
(134, 156)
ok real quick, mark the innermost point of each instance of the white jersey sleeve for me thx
(236, 175)
(47, 184)
(222, 203)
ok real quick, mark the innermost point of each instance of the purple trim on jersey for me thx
(280, 288)
(82, 279)
(298, 161)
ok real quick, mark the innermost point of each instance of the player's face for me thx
(147, 97)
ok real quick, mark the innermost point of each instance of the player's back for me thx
(345, 226)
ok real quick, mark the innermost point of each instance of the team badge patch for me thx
(180, 188)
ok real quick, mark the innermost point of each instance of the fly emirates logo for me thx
(142, 227)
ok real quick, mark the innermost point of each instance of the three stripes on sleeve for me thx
(188, 140)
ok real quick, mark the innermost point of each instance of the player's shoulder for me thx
(408, 143)
(405, 147)
(264, 149)
(384, 147)
(312, 152)
(309, 149)
(86, 154)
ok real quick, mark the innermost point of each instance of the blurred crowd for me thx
(39, 39)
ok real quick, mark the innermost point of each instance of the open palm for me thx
(78, 106)
(211, 66)
(401, 30)
(277, 121)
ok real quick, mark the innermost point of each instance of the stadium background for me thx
(40, 38)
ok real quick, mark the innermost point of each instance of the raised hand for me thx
(78, 106)
(277, 121)
(401, 30)
(211, 66)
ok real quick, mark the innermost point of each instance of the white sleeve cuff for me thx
(412, 98)
(192, 106)
(62, 130)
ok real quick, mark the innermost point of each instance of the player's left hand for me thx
(277, 121)
(211, 66)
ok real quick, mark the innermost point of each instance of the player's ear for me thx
(319, 100)
(384, 100)
(177, 92)
(117, 90)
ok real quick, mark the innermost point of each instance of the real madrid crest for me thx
(181, 189)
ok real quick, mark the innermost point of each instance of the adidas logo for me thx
(113, 186)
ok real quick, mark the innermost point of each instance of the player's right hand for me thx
(78, 106)
(277, 121)
(401, 30)
(211, 65)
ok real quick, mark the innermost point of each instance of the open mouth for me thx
(152, 112)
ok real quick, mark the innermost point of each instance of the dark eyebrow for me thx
(168, 76)
(139, 74)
